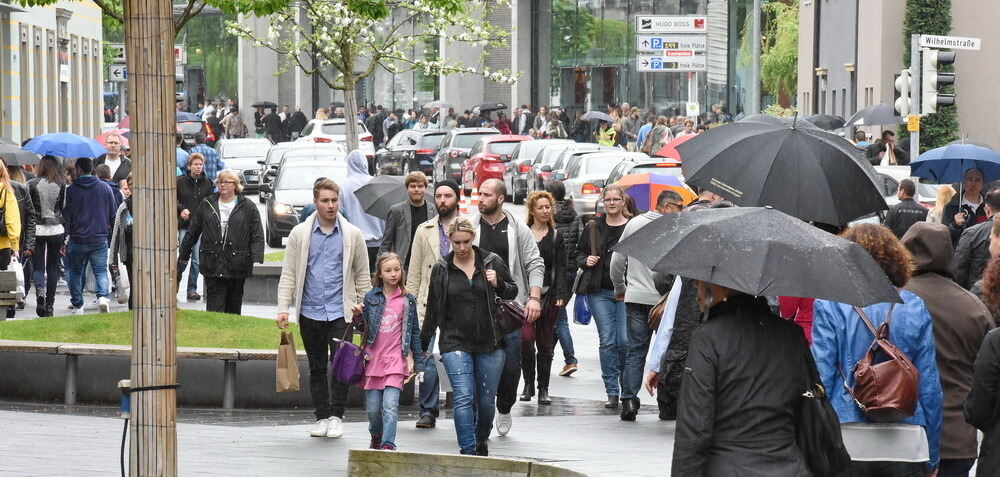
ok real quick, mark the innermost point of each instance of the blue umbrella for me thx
(949, 163)
(65, 145)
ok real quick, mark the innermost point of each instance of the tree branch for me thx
(106, 8)
(189, 12)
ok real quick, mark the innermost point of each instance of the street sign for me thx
(117, 51)
(659, 63)
(693, 109)
(180, 54)
(669, 24)
(117, 73)
(913, 123)
(950, 42)
(671, 42)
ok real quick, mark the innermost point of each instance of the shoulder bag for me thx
(347, 364)
(3, 214)
(581, 285)
(817, 428)
(510, 313)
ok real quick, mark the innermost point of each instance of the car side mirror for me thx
(546, 168)
(265, 188)
(599, 183)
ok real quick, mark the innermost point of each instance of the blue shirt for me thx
(213, 163)
(443, 237)
(643, 132)
(323, 295)
(182, 157)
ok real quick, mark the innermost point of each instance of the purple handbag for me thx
(347, 364)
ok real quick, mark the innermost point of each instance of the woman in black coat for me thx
(568, 225)
(982, 408)
(742, 382)
(233, 240)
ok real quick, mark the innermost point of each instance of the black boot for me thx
(50, 302)
(544, 372)
(630, 408)
(40, 306)
(528, 369)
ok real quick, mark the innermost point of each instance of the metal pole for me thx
(753, 106)
(69, 394)
(915, 91)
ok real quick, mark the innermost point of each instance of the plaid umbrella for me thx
(644, 188)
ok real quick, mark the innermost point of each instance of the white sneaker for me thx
(103, 305)
(503, 423)
(320, 429)
(77, 311)
(336, 428)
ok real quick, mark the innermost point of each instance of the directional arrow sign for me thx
(117, 73)
(671, 42)
(658, 63)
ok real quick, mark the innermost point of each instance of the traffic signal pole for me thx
(915, 92)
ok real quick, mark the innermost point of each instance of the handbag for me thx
(581, 285)
(510, 313)
(885, 387)
(817, 429)
(581, 310)
(347, 364)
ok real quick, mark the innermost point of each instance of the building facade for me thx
(52, 69)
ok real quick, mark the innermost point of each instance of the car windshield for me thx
(340, 129)
(274, 154)
(600, 165)
(243, 149)
(300, 178)
(502, 148)
(189, 127)
(432, 141)
(466, 141)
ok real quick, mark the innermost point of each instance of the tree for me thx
(779, 57)
(113, 9)
(931, 17)
(351, 39)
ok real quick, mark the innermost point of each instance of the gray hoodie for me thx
(641, 280)
(526, 264)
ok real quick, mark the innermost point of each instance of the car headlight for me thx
(281, 208)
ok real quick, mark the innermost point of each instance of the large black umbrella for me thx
(826, 121)
(762, 252)
(790, 165)
(264, 104)
(490, 107)
(877, 115)
(383, 192)
(15, 156)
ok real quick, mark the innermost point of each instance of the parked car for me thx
(517, 169)
(410, 150)
(455, 149)
(335, 130)
(188, 128)
(242, 155)
(266, 174)
(317, 153)
(558, 169)
(538, 173)
(583, 170)
(891, 177)
(292, 190)
(484, 159)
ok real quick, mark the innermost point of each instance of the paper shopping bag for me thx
(287, 371)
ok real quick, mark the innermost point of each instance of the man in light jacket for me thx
(325, 274)
(404, 218)
(640, 296)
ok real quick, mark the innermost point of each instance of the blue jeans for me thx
(195, 263)
(639, 335)
(511, 376)
(79, 255)
(613, 335)
(564, 338)
(430, 388)
(474, 380)
(383, 412)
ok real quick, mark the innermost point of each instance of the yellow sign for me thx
(913, 123)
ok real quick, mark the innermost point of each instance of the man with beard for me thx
(430, 243)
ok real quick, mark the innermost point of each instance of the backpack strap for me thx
(864, 317)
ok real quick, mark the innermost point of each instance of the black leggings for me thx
(45, 259)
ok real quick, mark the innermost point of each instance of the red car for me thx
(486, 159)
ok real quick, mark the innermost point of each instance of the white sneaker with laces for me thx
(336, 428)
(319, 430)
(77, 311)
(504, 422)
(103, 305)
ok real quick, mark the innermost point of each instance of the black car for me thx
(409, 150)
(455, 149)
(519, 165)
(187, 130)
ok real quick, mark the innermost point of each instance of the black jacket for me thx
(972, 254)
(687, 319)
(872, 152)
(36, 202)
(952, 208)
(374, 125)
(583, 250)
(904, 214)
(27, 210)
(743, 380)
(440, 313)
(216, 126)
(231, 256)
(981, 407)
(298, 122)
(123, 170)
(568, 225)
(190, 193)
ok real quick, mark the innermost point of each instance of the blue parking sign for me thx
(656, 43)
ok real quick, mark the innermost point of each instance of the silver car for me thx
(584, 170)
(242, 155)
(518, 166)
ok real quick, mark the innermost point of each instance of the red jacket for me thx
(799, 310)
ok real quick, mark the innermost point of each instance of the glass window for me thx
(432, 141)
(468, 140)
(302, 178)
(502, 147)
(190, 127)
(241, 149)
(600, 165)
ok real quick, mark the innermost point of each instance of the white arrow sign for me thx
(950, 42)
(658, 63)
(671, 42)
(117, 73)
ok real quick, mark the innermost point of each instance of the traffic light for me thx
(902, 102)
(931, 80)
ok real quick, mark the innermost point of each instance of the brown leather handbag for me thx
(886, 382)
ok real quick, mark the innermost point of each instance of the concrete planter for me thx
(262, 286)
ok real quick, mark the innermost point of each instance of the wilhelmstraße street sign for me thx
(671, 42)
(669, 24)
(951, 42)
(117, 73)
(673, 63)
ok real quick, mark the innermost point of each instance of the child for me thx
(393, 340)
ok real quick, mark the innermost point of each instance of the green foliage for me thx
(780, 49)
(777, 110)
(212, 48)
(278, 256)
(580, 38)
(931, 17)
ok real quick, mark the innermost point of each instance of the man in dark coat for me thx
(960, 322)
(404, 217)
(907, 212)
(297, 123)
(968, 207)
(973, 251)
(374, 126)
(272, 126)
(887, 146)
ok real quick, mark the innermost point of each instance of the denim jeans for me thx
(195, 263)
(46, 264)
(638, 336)
(612, 332)
(885, 469)
(79, 255)
(474, 380)
(430, 388)
(511, 376)
(564, 338)
(382, 406)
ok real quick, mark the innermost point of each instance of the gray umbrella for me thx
(15, 156)
(762, 252)
(437, 104)
(877, 115)
(383, 192)
(597, 116)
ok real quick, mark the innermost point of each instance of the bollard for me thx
(229, 385)
(70, 391)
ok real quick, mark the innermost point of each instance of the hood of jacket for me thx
(931, 247)
(565, 213)
(357, 164)
(87, 182)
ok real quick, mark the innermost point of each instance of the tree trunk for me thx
(351, 115)
(149, 39)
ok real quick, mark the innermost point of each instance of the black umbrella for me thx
(826, 121)
(762, 252)
(15, 156)
(383, 192)
(596, 116)
(877, 115)
(264, 104)
(790, 165)
(490, 107)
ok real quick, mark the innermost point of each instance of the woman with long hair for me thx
(47, 190)
(944, 195)
(503, 124)
(10, 241)
(120, 250)
(568, 225)
(552, 248)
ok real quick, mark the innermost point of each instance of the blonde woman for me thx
(234, 240)
(944, 195)
(12, 226)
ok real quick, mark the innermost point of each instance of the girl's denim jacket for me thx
(375, 306)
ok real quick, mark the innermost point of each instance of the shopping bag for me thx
(19, 273)
(123, 285)
(287, 370)
(443, 381)
(581, 310)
